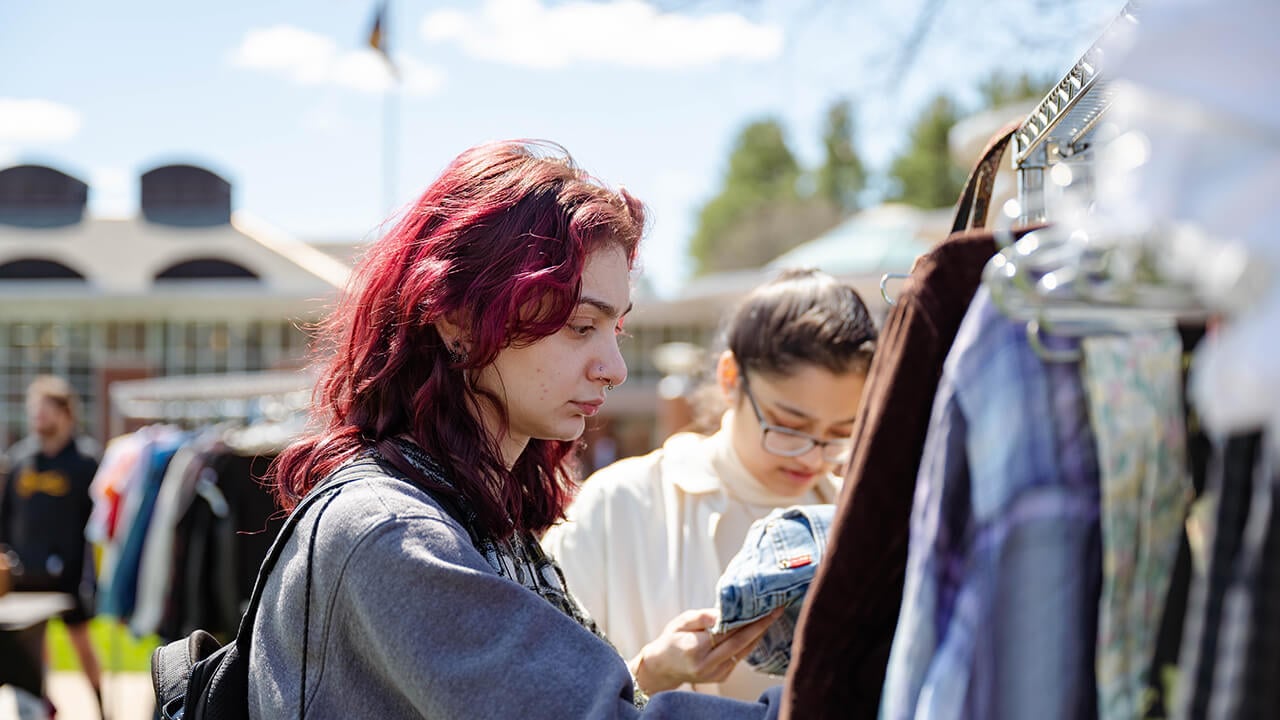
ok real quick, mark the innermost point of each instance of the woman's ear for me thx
(727, 375)
(450, 328)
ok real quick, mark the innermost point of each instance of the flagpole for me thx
(390, 143)
(379, 40)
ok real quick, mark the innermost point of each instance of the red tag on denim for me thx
(795, 562)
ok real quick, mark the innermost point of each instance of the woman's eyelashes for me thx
(585, 328)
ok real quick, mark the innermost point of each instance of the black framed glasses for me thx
(786, 442)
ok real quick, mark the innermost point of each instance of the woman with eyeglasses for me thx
(647, 537)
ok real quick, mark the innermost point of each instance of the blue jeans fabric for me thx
(774, 568)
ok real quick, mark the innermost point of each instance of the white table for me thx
(22, 619)
(20, 610)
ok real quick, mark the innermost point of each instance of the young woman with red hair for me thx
(474, 341)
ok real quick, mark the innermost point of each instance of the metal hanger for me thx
(884, 282)
(1070, 284)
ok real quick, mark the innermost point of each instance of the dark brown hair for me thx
(802, 317)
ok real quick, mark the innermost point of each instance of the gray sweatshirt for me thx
(408, 620)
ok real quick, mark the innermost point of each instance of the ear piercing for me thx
(457, 355)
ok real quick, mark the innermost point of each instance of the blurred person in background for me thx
(648, 537)
(44, 506)
(476, 338)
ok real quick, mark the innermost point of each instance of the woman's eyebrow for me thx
(802, 414)
(607, 308)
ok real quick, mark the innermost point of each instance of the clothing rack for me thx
(197, 399)
(1075, 277)
(1062, 129)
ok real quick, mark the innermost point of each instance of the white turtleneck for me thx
(747, 498)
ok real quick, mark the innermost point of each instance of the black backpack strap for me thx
(306, 605)
(343, 476)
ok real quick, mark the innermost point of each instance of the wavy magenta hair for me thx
(498, 242)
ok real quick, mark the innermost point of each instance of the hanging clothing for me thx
(221, 539)
(1162, 674)
(1135, 407)
(1218, 616)
(647, 538)
(155, 574)
(123, 595)
(1261, 691)
(1004, 559)
(117, 491)
(847, 623)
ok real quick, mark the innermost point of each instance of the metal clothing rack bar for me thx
(206, 398)
(1062, 124)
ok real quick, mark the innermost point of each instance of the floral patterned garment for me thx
(1135, 406)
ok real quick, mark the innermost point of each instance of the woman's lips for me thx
(589, 408)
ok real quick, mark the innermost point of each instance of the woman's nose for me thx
(813, 458)
(611, 369)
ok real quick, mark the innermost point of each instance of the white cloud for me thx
(630, 33)
(37, 121)
(307, 58)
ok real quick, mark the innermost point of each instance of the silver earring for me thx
(610, 386)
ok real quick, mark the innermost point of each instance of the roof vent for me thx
(38, 196)
(185, 195)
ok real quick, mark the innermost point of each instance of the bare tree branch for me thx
(910, 49)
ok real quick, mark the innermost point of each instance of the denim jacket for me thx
(778, 560)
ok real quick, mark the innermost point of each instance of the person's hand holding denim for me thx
(687, 652)
(772, 571)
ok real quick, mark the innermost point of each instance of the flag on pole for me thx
(378, 35)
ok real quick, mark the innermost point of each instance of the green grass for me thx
(118, 651)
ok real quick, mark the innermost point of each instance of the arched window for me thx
(37, 269)
(206, 269)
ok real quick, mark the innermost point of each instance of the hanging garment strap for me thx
(975, 200)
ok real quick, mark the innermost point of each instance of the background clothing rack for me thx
(200, 399)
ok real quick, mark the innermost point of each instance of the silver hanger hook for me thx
(1045, 353)
(884, 282)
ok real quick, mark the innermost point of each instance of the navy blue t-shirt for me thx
(43, 512)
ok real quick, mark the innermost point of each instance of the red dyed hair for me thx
(498, 241)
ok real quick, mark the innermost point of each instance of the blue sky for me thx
(286, 101)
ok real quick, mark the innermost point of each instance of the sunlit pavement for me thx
(128, 696)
